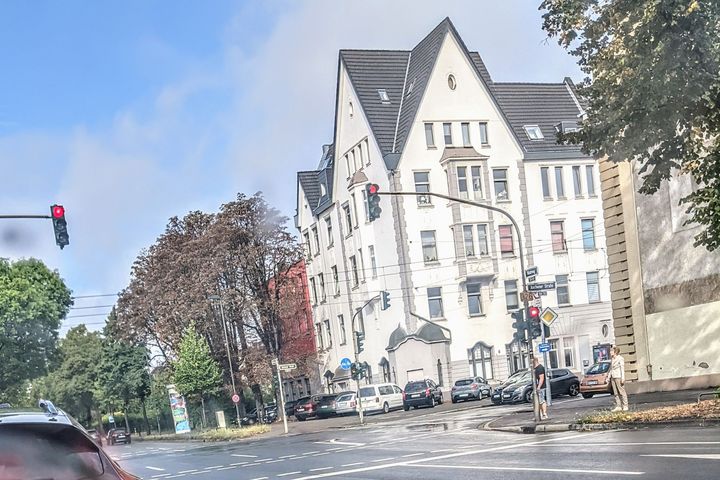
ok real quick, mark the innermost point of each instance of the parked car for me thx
(95, 436)
(290, 408)
(421, 393)
(346, 404)
(497, 395)
(381, 398)
(308, 407)
(118, 435)
(326, 406)
(474, 388)
(269, 416)
(48, 443)
(596, 380)
(562, 382)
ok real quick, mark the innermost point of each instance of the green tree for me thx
(33, 302)
(196, 372)
(652, 92)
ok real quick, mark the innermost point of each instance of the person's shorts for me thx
(541, 396)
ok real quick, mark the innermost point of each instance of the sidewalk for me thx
(566, 414)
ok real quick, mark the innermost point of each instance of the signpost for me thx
(283, 367)
(345, 363)
(538, 287)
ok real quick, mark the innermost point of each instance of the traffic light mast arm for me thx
(26, 216)
(536, 408)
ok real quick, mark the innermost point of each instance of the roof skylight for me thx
(534, 132)
(383, 96)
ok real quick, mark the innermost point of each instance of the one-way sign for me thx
(539, 287)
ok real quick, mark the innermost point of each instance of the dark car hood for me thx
(515, 386)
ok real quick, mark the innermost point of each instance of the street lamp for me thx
(216, 298)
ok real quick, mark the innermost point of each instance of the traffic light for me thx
(60, 226)
(355, 371)
(385, 300)
(534, 324)
(519, 325)
(373, 201)
(359, 341)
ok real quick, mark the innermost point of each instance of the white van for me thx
(382, 397)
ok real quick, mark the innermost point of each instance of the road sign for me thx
(543, 347)
(345, 363)
(530, 272)
(527, 296)
(537, 287)
(531, 278)
(548, 316)
(286, 367)
(111, 419)
(236, 398)
(274, 361)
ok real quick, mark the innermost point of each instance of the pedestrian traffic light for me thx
(359, 341)
(385, 300)
(373, 201)
(519, 325)
(355, 371)
(59, 225)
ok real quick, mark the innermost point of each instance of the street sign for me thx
(345, 363)
(236, 398)
(286, 367)
(543, 347)
(537, 287)
(274, 361)
(530, 272)
(531, 278)
(548, 316)
(111, 419)
(527, 296)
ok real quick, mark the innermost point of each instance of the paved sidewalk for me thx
(569, 412)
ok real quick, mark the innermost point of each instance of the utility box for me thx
(220, 416)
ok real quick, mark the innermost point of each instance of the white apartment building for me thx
(432, 119)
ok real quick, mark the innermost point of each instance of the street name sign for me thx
(543, 347)
(548, 316)
(530, 272)
(286, 367)
(538, 287)
(345, 363)
(531, 278)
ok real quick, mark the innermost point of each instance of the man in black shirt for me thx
(540, 378)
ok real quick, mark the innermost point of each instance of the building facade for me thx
(433, 120)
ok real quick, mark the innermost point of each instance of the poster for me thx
(179, 410)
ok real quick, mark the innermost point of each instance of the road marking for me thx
(699, 456)
(382, 459)
(411, 455)
(157, 469)
(321, 454)
(442, 450)
(352, 464)
(288, 456)
(310, 453)
(351, 444)
(320, 469)
(226, 468)
(188, 471)
(259, 478)
(532, 469)
(214, 466)
(179, 450)
(244, 456)
(160, 475)
(237, 464)
(263, 460)
(176, 476)
(276, 461)
(334, 449)
(200, 472)
(288, 473)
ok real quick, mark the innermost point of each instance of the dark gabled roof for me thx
(311, 186)
(541, 104)
(310, 181)
(482, 69)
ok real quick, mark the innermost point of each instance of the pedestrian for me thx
(617, 380)
(540, 378)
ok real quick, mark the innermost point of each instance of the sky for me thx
(128, 113)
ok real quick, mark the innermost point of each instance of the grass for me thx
(705, 410)
(212, 435)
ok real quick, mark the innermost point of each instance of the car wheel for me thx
(574, 390)
(415, 407)
(528, 396)
(453, 400)
(441, 400)
(386, 408)
(587, 395)
(302, 419)
(433, 402)
(406, 407)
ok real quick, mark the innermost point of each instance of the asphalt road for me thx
(430, 444)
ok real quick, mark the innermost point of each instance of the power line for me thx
(95, 296)
(87, 308)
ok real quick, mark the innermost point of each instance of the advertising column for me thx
(179, 410)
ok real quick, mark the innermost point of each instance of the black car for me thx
(562, 382)
(290, 408)
(326, 406)
(118, 435)
(421, 393)
(308, 407)
(497, 395)
(251, 418)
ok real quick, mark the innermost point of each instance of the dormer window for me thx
(384, 99)
(534, 132)
(323, 189)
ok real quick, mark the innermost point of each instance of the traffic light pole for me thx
(536, 404)
(357, 354)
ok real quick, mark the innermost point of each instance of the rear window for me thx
(599, 368)
(415, 387)
(344, 398)
(367, 392)
(462, 383)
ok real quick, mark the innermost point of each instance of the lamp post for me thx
(216, 298)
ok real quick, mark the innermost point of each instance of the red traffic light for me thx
(534, 312)
(58, 211)
(373, 188)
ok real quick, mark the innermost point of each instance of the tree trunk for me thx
(241, 405)
(100, 428)
(257, 393)
(204, 418)
(127, 423)
(145, 417)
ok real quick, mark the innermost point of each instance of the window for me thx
(476, 173)
(501, 184)
(316, 239)
(362, 263)
(313, 290)
(462, 182)
(484, 133)
(348, 169)
(557, 234)
(544, 172)
(365, 206)
(511, 294)
(562, 289)
(373, 262)
(465, 127)
(328, 331)
(360, 154)
(559, 187)
(321, 281)
(367, 151)
(354, 161)
(329, 230)
(422, 185)
(429, 246)
(354, 207)
(569, 351)
(354, 266)
(306, 243)
(474, 298)
(341, 328)
(482, 240)
(452, 83)
(384, 98)
(481, 360)
(469, 240)
(348, 218)
(553, 353)
(577, 182)
(447, 132)
(593, 286)
(435, 305)
(336, 280)
(588, 233)
(319, 334)
(429, 135)
(507, 246)
(590, 177)
(534, 132)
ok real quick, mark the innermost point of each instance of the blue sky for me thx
(131, 112)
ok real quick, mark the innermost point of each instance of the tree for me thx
(33, 302)
(196, 372)
(652, 91)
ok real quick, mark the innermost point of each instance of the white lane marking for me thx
(244, 456)
(226, 468)
(288, 473)
(276, 461)
(160, 475)
(200, 472)
(334, 449)
(532, 469)
(287, 456)
(214, 466)
(411, 455)
(320, 469)
(310, 453)
(382, 459)
(442, 450)
(157, 469)
(699, 456)
(352, 464)
(351, 444)
(263, 460)
(321, 454)
(179, 450)
(239, 463)
(188, 471)
(176, 476)
(259, 478)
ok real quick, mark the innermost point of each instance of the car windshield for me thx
(602, 367)
(367, 392)
(415, 387)
(464, 382)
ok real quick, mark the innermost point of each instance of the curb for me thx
(584, 427)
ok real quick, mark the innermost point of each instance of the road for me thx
(431, 444)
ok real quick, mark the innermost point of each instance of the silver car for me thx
(474, 388)
(346, 404)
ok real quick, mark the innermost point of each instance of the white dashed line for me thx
(237, 464)
(288, 473)
(310, 453)
(156, 469)
(352, 464)
(198, 473)
(321, 454)
(226, 468)
(263, 460)
(240, 455)
(287, 456)
(160, 475)
(320, 469)
(188, 471)
(275, 461)
(214, 466)
(382, 460)
(411, 455)
(260, 478)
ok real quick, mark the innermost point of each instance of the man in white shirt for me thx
(617, 380)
